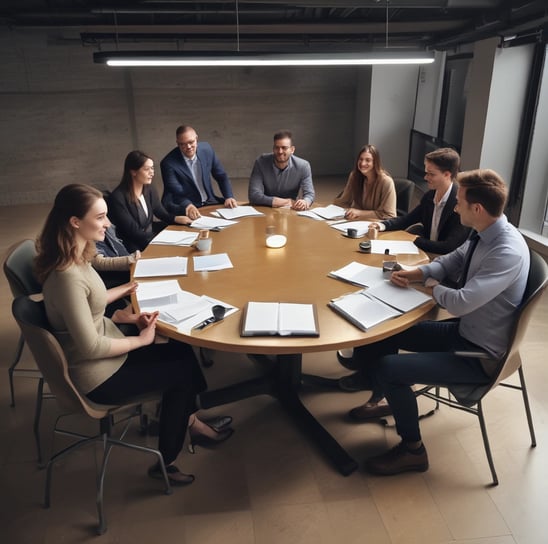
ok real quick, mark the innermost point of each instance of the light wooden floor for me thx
(267, 484)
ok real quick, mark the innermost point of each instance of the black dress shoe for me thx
(354, 382)
(397, 460)
(174, 475)
(219, 423)
(369, 411)
(199, 439)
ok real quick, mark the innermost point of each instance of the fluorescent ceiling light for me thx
(176, 58)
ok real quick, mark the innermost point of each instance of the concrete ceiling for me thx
(277, 25)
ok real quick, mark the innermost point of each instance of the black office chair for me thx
(50, 358)
(18, 269)
(404, 195)
(468, 398)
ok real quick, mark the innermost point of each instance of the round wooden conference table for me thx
(297, 272)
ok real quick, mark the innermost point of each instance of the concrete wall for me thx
(66, 119)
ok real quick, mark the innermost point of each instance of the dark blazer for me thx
(179, 187)
(132, 225)
(451, 233)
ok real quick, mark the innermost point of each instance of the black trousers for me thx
(171, 369)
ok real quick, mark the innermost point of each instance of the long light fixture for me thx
(236, 58)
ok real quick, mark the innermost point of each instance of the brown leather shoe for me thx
(369, 411)
(398, 459)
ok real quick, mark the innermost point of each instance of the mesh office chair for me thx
(468, 398)
(18, 269)
(31, 318)
(404, 195)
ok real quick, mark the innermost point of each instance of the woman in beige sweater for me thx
(104, 364)
(369, 194)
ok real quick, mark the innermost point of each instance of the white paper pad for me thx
(361, 226)
(163, 266)
(211, 223)
(394, 247)
(240, 211)
(329, 212)
(359, 274)
(174, 238)
(219, 261)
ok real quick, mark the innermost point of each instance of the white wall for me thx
(510, 78)
(393, 93)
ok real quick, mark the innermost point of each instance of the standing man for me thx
(280, 179)
(492, 270)
(440, 230)
(187, 171)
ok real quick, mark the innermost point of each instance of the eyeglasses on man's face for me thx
(191, 143)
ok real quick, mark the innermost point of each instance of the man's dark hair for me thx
(282, 134)
(446, 159)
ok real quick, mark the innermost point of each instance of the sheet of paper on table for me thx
(362, 310)
(207, 222)
(219, 261)
(359, 274)
(239, 211)
(162, 266)
(174, 238)
(394, 247)
(361, 226)
(327, 212)
(404, 299)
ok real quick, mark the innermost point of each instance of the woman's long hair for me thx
(134, 161)
(357, 179)
(56, 245)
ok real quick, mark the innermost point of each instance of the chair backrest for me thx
(19, 269)
(50, 358)
(404, 194)
(537, 281)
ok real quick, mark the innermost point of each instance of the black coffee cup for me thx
(352, 233)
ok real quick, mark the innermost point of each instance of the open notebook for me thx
(279, 318)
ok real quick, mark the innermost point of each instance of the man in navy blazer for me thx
(187, 171)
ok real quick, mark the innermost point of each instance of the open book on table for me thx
(370, 307)
(279, 318)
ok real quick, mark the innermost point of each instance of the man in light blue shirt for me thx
(491, 272)
(280, 179)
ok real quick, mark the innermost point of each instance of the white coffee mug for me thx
(204, 244)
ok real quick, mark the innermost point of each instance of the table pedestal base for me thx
(282, 381)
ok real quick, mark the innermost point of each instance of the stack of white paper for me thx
(404, 299)
(211, 223)
(359, 274)
(174, 238)
(361, 226)
(240, 211)
(220, 261)
(163, 266)
(362, 310)
(328, 212)
(181, 309)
